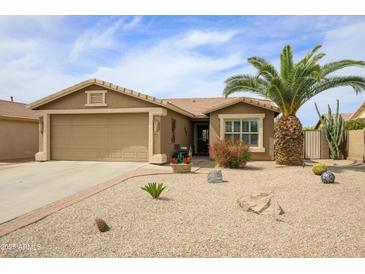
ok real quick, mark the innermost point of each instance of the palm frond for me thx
(296, 83)
(244, 82)
(263, 67)
(286, 62)
(356, 82)
(334, 66)
(309, 55)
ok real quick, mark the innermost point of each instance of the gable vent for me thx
(96, 98)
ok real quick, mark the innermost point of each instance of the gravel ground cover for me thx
(197, 219)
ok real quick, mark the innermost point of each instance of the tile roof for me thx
(358, 111)
(345, 115)
(10, 109)
(201, 106)
(191, 107)
(110, 86)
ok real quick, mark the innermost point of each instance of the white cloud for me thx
(102, 36)
(166, 70)
(36, 63)
(198, 38)
(132, 23)
(31, 65)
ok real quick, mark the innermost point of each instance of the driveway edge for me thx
(42, 212)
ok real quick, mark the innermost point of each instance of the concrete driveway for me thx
(27, 186)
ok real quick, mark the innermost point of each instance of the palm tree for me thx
(289, 90)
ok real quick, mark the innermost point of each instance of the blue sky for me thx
(167, 56)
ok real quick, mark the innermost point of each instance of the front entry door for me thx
(202, 143)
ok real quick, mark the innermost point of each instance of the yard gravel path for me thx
(197, 219)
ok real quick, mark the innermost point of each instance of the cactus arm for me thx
(333, 129)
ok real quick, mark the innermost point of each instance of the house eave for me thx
(243, 100)
(35, 105)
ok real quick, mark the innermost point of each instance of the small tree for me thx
(333, 128)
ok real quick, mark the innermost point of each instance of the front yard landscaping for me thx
(194, 218)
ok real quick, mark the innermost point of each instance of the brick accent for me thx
(40, 213)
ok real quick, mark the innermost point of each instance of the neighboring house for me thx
(346, 116)
(18, 131)
(96, 120)
(359, 113)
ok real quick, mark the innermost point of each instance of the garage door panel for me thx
(101, 137)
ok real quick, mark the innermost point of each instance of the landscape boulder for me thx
(215, 176)
(101, 225)
(328, 177)
(263, 203)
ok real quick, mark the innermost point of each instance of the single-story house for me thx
(359, 113)
(97, 120)
(18, 131)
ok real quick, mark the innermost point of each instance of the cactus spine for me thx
(333, 128)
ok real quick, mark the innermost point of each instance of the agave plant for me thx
(154, 190)
(289, 89)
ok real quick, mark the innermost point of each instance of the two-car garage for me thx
(99, 137)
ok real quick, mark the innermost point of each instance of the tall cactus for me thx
(333, 128)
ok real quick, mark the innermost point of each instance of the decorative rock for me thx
(319, 168)
(263, 203)
(328, 177)
(101, 224)
(215, 176)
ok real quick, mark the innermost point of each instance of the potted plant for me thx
(181, 161)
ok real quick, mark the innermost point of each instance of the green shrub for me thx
(154, 190)
(319, 168)
(308, 128)
(355, 124)
(231, 154)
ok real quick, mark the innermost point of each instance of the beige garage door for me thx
(100, 137)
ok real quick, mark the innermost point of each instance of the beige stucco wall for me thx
(183, 132)
(325, 151)
(356, 144)
(18, 139)
(113, 99)
(243, 108)
(77, 100)
(361, 115)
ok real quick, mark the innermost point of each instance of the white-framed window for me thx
(246, 130)
(95, 98)
(246, 127)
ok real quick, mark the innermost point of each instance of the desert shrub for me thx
(231, 154)
(319, 168)
(355, 124)
(154, 190)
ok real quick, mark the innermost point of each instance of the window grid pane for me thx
(228, 126)
(243, 129)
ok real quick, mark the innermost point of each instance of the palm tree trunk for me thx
(289, 141)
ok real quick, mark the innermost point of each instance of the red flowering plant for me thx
(187, 160)
(173, 160)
